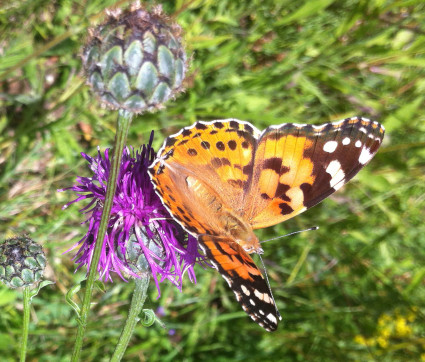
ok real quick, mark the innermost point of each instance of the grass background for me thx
(353, 290)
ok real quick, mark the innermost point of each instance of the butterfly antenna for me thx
(265, 270)
(293, 233)
(270, 289)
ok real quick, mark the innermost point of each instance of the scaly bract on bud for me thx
(135, 60)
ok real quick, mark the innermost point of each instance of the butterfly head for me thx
(253, 249)
(248, 241)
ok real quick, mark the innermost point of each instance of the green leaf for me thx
(310, 8)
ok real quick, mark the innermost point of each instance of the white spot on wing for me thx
(258, 294)
(245, 290)
(346, 141)
(358, 144)
(252, 302)
(338, 186)
(330, 146)
(228, 280)
(272, 318)
(337, 178)
(365, 156)
(333, 167)
(337, 123)
(337, 174)
(263, 296)
(216, 267)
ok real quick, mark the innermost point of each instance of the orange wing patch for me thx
(169, 185)
(232, 258)
(220, 150)
(281, 167)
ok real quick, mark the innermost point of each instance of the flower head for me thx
(22, 262)
(141, 237)
(135, 60)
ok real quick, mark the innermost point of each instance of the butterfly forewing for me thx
(347, 147)
(308, 164)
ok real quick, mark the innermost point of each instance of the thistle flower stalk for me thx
(123, 124)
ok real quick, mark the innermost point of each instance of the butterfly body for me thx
(221, 180)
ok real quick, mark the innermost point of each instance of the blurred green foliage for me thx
(353, 290)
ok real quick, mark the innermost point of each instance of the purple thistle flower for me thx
(141, 235)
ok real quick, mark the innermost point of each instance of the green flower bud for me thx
(22, 262)
(135, 61)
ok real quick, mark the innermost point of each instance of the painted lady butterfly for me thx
(223, 179)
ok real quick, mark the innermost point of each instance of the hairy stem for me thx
(139, 296)
(123, 124)
(26, 322)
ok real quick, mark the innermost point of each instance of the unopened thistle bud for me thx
(22, 262)
(135, 60)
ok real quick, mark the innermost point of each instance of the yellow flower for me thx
(401, 327)
(383, 319)
(383, 342)
(360, 340)
(385, 332)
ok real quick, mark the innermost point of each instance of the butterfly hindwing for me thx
(243, 277)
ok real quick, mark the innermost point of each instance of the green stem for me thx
(123, 124)
(25, 323)
(136, 306)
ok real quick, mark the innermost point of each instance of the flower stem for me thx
(123, 124)
(136, 306)
(26, 322)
